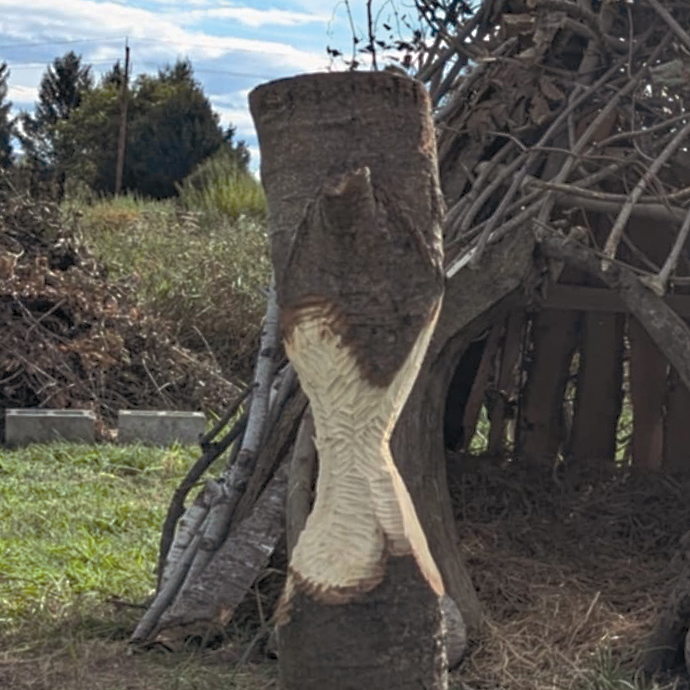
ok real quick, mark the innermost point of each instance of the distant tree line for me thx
(72, 134)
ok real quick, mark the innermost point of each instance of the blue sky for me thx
(233, 45)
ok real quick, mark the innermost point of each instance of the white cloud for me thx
(237, 115)
(21, 95)
(77, 19)
(250, 16)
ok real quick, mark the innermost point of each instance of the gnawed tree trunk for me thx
(540, 425)
(599, 391)
(349, 169)
(474, 300)
(648, 390)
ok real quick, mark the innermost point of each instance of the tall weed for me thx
(219, 186)
(204, 271)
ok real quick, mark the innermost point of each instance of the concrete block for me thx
(24, 426)
(159, 428)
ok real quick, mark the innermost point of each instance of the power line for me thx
(58, 43)
(184, 43)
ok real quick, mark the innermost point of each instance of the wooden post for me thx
(599, 392)
(677, 426)
(122, 138)
(648, 388)
(348, 161)
(541, 414)
(512, 349)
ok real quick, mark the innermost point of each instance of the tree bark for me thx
(349, 168)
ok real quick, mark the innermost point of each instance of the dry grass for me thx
(571, 572)
(106, 665)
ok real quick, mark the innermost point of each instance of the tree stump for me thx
(349, 168)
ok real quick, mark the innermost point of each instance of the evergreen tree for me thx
(171, 129)
(63, 87)
(6, 122)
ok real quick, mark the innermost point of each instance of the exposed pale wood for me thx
(512, 348)
(677, 426)
(350, 173)
(540, 424)
(599, 392)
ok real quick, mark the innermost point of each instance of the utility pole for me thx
(123, 125)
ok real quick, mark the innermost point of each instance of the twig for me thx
(176, 507)
(677, 29)
(617, 230)
(658, 283)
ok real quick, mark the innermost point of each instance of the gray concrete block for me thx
(159, 428)
(24, 426)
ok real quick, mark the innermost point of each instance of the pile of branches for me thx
(550, 111)
(72, 339)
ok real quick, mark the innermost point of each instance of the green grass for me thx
(79, 525)
(218, 186)
(79, 530)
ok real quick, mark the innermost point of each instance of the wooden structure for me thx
(562, 133)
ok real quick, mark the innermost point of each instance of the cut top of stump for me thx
(350, 172)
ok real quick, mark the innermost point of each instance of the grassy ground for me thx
(79, 530)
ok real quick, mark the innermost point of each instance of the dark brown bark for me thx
(648, 390)
(677, 427)
(349, 169)
(474, 300)
(540, 424)
(599, 392)
(323, 647)
(347, 134)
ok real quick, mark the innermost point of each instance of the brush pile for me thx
(72, 339)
